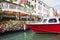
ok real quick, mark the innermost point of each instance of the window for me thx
(44, 21)
(5, 5)
(30, 19)
(39, 7)
(52, 21)
(15, 0)
(8, 18)
(11, 1)
(12, 6)
(34, 0)
(23, 18)
(40, 3)
(59, 19)
(39, 19)
(44, 5)
(0, 6)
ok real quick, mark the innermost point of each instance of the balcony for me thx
(16, 8)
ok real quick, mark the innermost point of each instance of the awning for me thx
(15, 13)
(24, 14)
(8, 12)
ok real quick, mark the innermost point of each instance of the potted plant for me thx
(28, 6)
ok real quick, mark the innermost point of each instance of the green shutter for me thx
(1, 1)
(1, 14)
(15, 0)
(11, 1)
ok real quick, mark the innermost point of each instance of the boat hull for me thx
(49, 28)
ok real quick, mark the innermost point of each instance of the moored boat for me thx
(47, 25)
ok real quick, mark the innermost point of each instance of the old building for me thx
(32, 8)
(42, 9)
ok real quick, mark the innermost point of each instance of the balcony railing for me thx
(16, 8)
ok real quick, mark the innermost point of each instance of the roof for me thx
(50, 17)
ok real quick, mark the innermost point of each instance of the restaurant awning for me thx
(15, 13)
(24, 14)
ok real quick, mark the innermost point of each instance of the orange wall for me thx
(22, 2)
(55, 13)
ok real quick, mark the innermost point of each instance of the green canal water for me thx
(28, 35)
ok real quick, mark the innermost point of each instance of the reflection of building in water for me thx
(28, 9)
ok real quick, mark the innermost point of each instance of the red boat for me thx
(47, 25)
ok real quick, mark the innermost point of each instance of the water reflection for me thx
(42, 36)
(29, 35)
(46, 37)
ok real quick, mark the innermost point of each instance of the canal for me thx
(28, 35)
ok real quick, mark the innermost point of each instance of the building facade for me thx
(39, 8)
(17, 1)
(43, 9)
